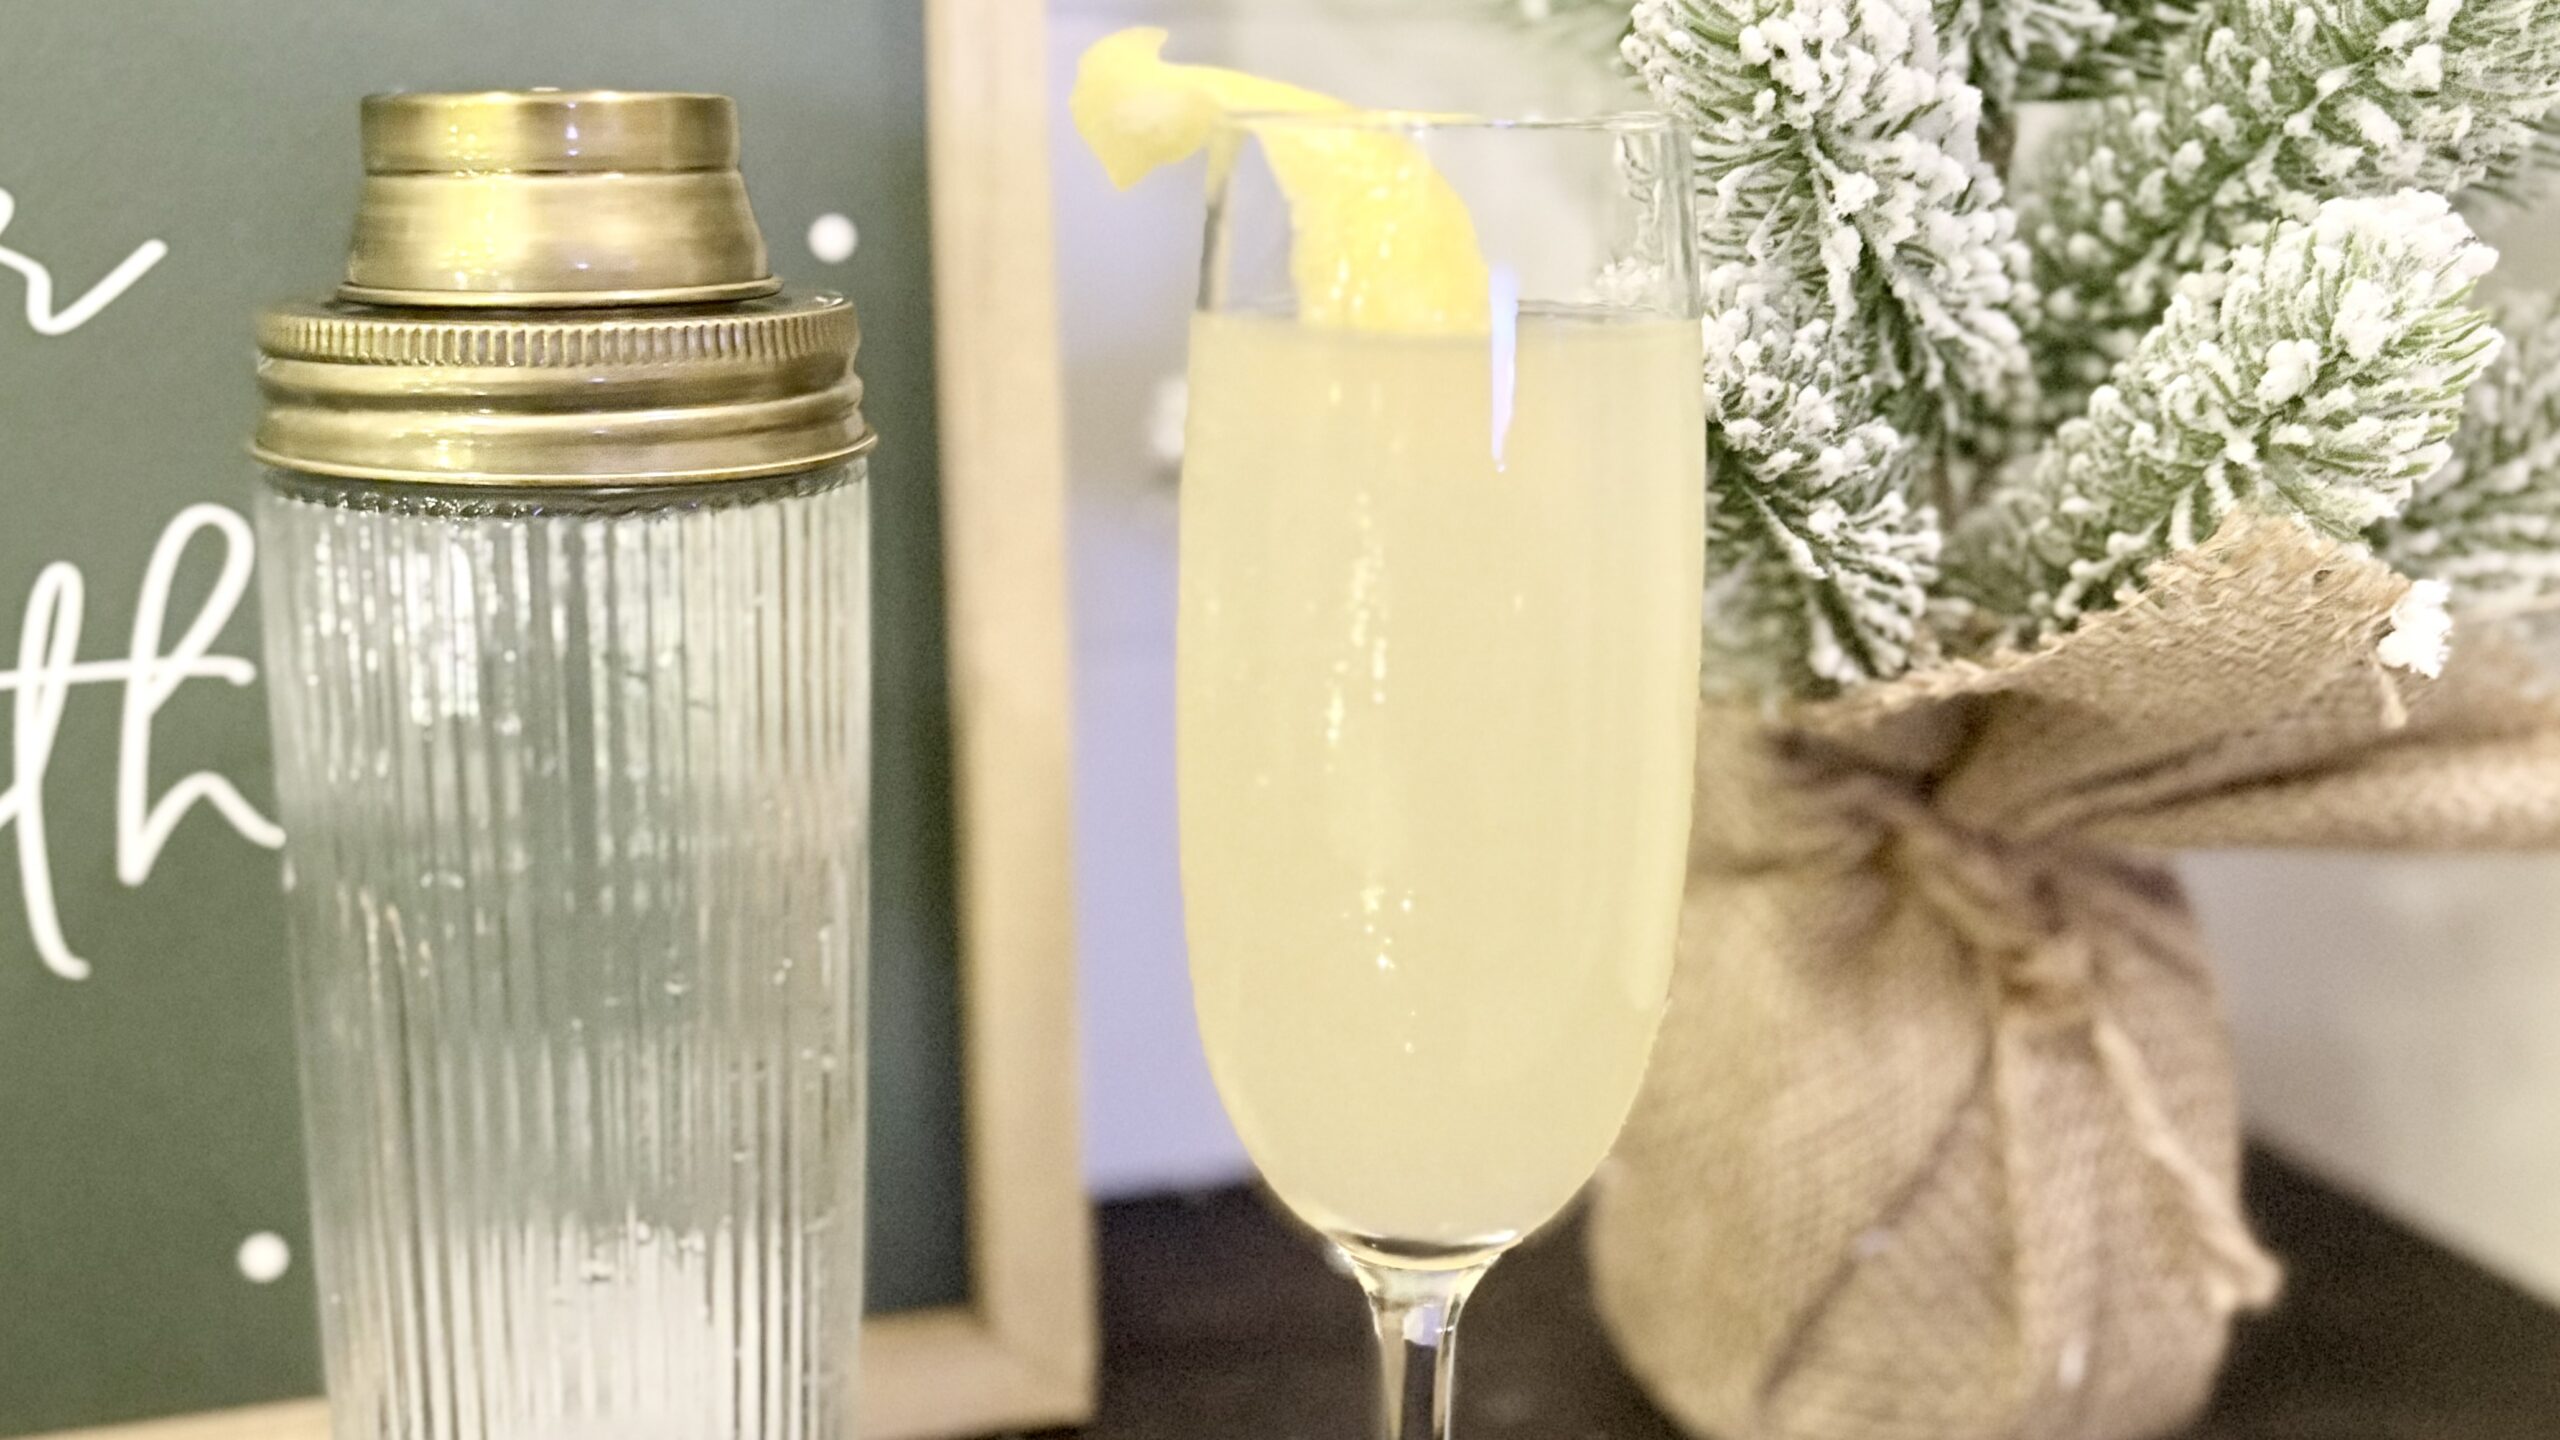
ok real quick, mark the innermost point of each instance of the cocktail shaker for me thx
(563, 565)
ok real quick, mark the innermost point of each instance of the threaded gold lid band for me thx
(557, 288)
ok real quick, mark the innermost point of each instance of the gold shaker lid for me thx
(553, 198)
(557, 288)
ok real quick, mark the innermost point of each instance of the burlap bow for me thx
(1939, 1141)
(2030, 911)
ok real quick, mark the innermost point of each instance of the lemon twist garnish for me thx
(1379, 241)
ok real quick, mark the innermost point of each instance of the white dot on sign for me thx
(832, 238)
(264, 1257)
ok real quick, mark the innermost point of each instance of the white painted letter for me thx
(41, 315)
(143, 825)
(48, 639)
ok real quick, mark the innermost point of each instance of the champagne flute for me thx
(1442, 542)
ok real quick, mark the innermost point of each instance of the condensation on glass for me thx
(576, 787)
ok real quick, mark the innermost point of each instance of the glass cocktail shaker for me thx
(564, 582)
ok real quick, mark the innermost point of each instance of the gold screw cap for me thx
(555, 288)
(551, 198)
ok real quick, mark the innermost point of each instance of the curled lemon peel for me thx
(1379, 241)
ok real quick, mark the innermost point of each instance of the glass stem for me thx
(1416, 1315)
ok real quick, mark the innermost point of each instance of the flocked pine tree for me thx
(2488, 521)
(2266, 108)
(1838, 157)
(1822, 562)
(2061, 49)
(2320, 373)
(1862, 266)
(1876, 326)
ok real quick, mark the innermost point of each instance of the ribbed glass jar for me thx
(576, 785)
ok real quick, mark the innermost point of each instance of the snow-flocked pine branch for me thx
(1822, 565)
(1861, 264)
(2267, 108)
(2488, 522)
(1837, 157)
(2319, 374)
(2063, 49)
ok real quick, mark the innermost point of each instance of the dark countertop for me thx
(1221, 1318)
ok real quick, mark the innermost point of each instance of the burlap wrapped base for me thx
(1939, 1141)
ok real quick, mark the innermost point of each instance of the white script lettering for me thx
(47, 668)
(41, 315)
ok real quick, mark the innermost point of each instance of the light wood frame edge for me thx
(925, 1373)
(1022, 1353)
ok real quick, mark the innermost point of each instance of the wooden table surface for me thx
(1221, 1319)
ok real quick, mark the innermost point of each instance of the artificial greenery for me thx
(2268, 108)
(2320, 373)
(2488, 521)
(2232, 279)
(1809, 504)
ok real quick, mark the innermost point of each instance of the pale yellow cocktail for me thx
(1438, 680)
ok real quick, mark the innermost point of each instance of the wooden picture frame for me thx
(1021, 1353)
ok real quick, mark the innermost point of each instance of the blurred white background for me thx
(2397, 1020)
